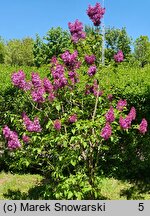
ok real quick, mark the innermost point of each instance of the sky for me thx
(26, 18)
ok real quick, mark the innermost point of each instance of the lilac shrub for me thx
(74, 120)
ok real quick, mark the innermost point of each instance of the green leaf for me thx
(112, 138)
(73, 162)
(58, 107)
(60, 158)
(48, 124)
(84, 144)
(73, 131)
(70, 195)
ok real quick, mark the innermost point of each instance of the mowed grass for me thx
(17, 187)
(17, 182)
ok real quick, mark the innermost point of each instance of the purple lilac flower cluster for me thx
(49, 88)
(31, 126)
(76, 30)
(38, 95)
(36, 81)
(132, 113)
(119, 57)
(57, 124)
(143, 126)
(93, 89)
(106, 131)
(125, 123)
(38, 92)
(58, 71)
(110, 97)
(73, 118)
(25, 138)
(69, 59)
(18, 79)
(90, 59)
(96, 13)
(109, 116)
(121, 104)
(38, 88)
(11, 137)
(92, 70)
(73, 76)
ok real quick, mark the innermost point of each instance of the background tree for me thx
(38, 51)
(2, 50)
(117, 39)
(19, 52)
(55, 43)
(142, 50)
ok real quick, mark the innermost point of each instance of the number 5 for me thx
(141, 206)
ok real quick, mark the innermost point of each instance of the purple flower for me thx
(143, 126)
(14, 144)
(132, 114)
(58, 71)
(36, 81)
(106, 131)
(36, 125)
(12, 138)
(76, 30)
(54, 60)
(69, 59)
(90, 59)
(31, 126)
(38, 95)
(18, 79)
(6, 132)
(96, 13)
(73, 118)
(47, 85)
(72, 74)
(125, 123)
(57, 124)
(92, 70)
(60, 83)
(121, 104)
(73, 77)
(87, 89)
(119, 56)
(110, 97)
(110, 117)
(27, 86)
(25, 138)
(51, 96)
(93, 89)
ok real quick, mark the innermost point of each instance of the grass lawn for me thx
(28, 186)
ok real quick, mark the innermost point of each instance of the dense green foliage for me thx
(55, 42)
(19, 52)
(142, 50)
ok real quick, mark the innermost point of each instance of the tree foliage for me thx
(54, 43)
(2, 50)
(142, 50)
(117, 39)
(19, 52)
